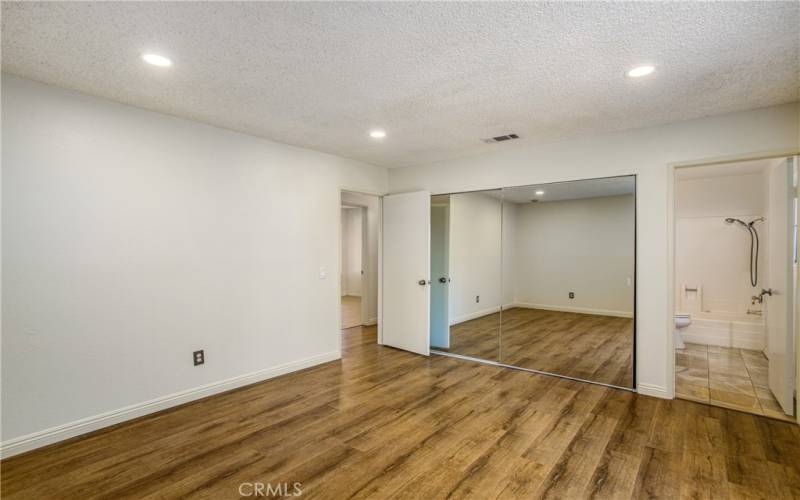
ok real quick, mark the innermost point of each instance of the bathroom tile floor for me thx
(727, 377)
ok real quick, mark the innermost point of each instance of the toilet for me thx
(682, 320)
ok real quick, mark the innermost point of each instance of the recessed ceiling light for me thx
(377, 134)
(539, 193)
(156, 60)
(642, 70)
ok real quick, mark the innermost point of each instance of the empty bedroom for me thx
(382, 250)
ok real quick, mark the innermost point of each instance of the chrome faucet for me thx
(760, 297)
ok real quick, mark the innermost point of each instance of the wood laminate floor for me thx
(584, 346)
(382, 423)
(351, 311)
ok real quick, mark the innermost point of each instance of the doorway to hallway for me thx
(360, 225)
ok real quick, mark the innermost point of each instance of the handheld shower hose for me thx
(754, 242)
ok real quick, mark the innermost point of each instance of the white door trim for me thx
(379, 197)
(671, 200)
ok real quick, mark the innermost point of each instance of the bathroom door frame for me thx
(671, 172)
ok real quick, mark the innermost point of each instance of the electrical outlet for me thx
(477, 299)
(572, 295)
(199, 357)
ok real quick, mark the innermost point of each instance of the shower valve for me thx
(760, 297)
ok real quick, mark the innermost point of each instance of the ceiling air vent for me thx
(501, 138)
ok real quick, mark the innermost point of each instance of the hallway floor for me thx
(727, 377)
(351, 311)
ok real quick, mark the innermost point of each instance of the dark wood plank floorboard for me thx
(584, 346)
(383, 423)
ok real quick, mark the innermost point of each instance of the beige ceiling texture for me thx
(438, 77)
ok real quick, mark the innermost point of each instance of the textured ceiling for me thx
(438, 77)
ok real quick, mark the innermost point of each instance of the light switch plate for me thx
(323, 273)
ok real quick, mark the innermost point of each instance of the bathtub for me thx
(726, 329)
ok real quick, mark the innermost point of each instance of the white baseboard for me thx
(656, 391)
(78, 427)
(579, 310)
(474, 315)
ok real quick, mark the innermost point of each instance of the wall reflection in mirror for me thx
(466, 273)
(538, 277)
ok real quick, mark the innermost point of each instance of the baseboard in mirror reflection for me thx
(579, 310)
(474, 315)
(479, 314)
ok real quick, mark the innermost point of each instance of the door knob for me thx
(422, 282)
(442, 280)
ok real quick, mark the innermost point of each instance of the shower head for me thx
(731, 220)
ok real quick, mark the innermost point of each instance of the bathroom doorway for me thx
(735, 233)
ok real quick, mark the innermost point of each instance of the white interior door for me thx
(406, 271)
(779, 307)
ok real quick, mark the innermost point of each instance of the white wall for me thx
(369, 297)
(712, 254)
(584, 246)
(343, 254)
(720, 196)
(646, 152)
(475, 256)
(352, 234)
(510, 251)
(131, 239)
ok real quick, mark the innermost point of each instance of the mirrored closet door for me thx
(571, 269)
(466, 273)
(538, 277)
